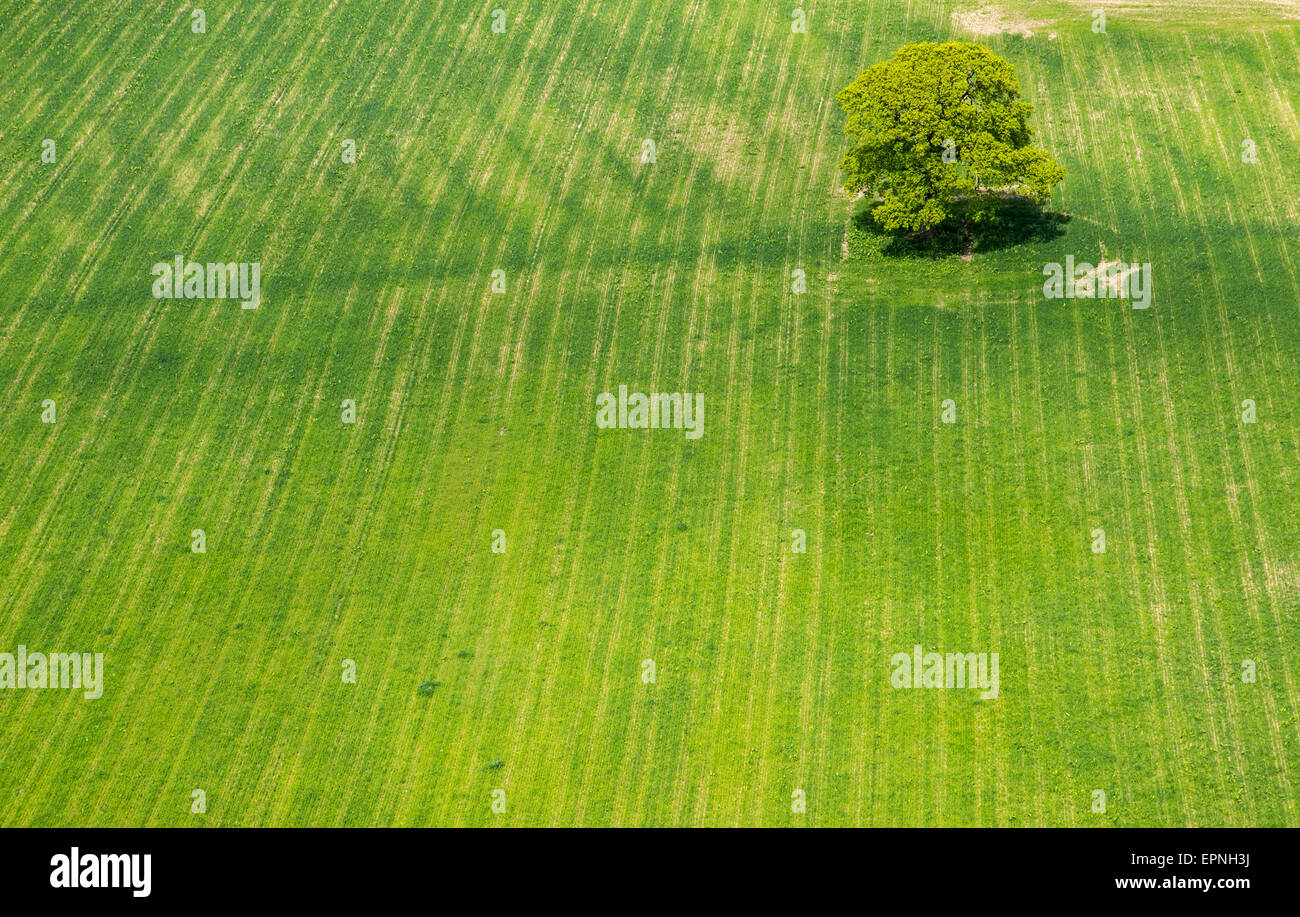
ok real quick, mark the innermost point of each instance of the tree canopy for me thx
(938, 131)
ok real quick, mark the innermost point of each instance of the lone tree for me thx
(939, 131)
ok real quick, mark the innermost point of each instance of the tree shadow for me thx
(1016, 221)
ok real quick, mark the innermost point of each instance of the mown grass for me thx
(522, 671)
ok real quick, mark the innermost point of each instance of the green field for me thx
(521, 671)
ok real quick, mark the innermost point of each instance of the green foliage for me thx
(958, 99)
